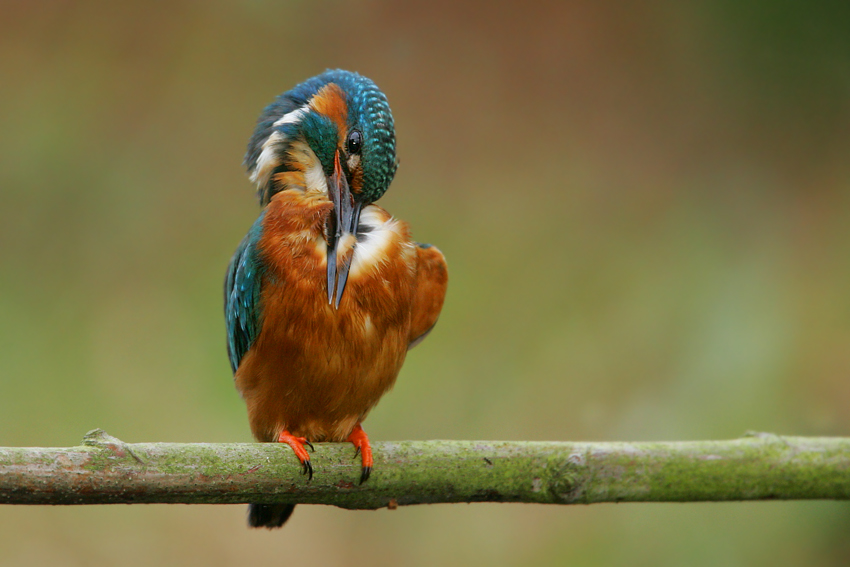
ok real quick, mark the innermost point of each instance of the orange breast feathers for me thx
(314, 370)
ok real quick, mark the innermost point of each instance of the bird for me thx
(327, 292)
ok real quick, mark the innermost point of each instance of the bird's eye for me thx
(355, 142)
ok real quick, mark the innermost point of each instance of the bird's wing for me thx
(242, 309)
(431, 280)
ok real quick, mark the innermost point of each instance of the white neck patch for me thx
(269, 157)
(372, 243)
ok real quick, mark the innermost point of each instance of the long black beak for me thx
(342, 231)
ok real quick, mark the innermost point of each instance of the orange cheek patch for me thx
(330, 101)
(357, 180)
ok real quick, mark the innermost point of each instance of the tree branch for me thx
(105, 470)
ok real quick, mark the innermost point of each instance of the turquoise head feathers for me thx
(337, 111)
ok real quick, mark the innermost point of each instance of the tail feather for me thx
(269, 515)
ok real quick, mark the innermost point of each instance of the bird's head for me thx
(332, 134)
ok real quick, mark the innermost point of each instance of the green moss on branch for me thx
(105, 470)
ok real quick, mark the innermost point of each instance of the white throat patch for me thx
(372, 243)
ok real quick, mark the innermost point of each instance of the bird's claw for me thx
(313, 449)
(297, 444)
(307, 468)
(361, 447)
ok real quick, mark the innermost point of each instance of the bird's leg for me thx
(361, 445)
(297, 444)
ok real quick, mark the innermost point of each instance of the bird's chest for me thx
(346, 356)
(378, 297)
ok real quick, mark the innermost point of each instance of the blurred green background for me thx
(645, 210)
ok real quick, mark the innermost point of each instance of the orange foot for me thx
(297, 444)
(361, 444)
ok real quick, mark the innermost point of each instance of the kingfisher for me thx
(327, 292)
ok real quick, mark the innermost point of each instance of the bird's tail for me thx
(269, 515)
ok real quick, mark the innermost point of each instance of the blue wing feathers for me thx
(242, 287)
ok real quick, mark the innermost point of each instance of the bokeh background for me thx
(645, 210)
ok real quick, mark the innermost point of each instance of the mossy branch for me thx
(105, 470)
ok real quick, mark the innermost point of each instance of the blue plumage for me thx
(242, 308)
(369, 110)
